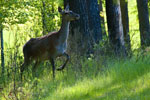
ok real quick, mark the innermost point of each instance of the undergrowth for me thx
(93, 78)
(124, 79)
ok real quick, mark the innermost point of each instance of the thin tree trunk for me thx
(2, 51)
(125, 22)
(43, 9)
(115, 27)
(144, 26)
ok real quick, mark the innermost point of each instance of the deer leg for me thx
(35, 67)
(53, 67)
(63, 66)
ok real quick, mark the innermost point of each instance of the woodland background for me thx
(109, 49)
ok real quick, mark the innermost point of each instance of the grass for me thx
(122, 80)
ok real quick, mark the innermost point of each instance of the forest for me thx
(74, 50)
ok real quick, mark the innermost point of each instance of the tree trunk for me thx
(66, 2)
(87, 30)
(115, 27)
(144, 26)
(125, 22)
(94, 20)
(79, 30)
(2, 50)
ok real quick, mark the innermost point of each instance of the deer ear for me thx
(59, 9)
(67, 7)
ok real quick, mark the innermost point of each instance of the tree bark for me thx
(66, 2)
(115, 27)
(94, 20)
(144, 26)
(88, 28)
(2, 50)
(125, 22)
(79, 29)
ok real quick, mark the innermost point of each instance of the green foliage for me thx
(134, 25)
(116, 2)
(11, 12)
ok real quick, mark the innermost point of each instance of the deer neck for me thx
(64, 30)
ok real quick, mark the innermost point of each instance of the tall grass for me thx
(126, 79)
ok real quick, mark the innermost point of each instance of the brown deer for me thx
(50, 46)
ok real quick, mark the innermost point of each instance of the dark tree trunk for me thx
(102, 18)
(66, 2)
(2, 50)
(79, 6)
(125, 22)
(79, 29)
(144, 26)
(88, 28)
(94, 20)
(115, 27)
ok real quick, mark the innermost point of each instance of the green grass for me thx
(121, 80)
(127, 79)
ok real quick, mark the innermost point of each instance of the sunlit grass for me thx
(124, 79)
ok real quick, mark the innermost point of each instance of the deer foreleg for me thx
(63, 66)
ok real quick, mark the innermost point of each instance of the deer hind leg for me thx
(63, 66)
(34, 68)
(53, 67)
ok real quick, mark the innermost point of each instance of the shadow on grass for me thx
(117, 88)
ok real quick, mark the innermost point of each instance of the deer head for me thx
(67, 14)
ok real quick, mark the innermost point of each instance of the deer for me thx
(50, 46)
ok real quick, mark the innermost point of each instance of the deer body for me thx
(50, 46)
(44, 48)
